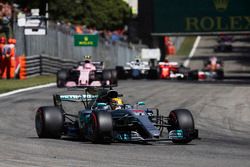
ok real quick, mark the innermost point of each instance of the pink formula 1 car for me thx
(86, 74)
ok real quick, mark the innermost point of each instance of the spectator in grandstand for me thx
(111, 37)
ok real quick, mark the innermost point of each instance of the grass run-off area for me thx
(186, 46)
(7, 85)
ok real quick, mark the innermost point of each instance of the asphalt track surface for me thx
(236, 62)
(221, 113)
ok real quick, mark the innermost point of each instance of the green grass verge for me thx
(186, 46)
(13, 84)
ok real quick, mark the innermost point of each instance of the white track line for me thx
(27, 89)
(191, 54)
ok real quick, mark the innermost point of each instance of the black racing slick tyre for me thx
(49, 122)
(121, 73)
(106, 75)
(61, 78)
(181, 119)
(220, 74)
(114, 80)
(153, 74)
(193, 75)
(102, 127)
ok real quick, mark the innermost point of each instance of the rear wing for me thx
(98, 65)
(91, 94)
(147, 54)
(77, 98)
(84, 98)
(169, 63)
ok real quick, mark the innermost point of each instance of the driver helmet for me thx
(116, 103)
(10, 41)
(213, 59)
(137, 62)
(87, 59)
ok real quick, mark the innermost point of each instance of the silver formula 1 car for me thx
(99, 123)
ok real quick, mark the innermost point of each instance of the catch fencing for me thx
(59, 46)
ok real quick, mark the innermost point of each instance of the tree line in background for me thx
(100, 14)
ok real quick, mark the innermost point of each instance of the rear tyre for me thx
(181, 119)
(102, 127)
(114, 80)
(220, 74)
(153, 74)
(61, 78)
(106, 75)
(49, 122)
(121, 74)
(193, 75)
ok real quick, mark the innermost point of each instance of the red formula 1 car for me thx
(170, 70)
(87, 73)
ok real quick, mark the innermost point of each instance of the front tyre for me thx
(102, 127)
(181, 119)
(61, 78)
(49, 122)
(220, 74)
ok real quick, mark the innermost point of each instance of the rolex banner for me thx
(201, 16)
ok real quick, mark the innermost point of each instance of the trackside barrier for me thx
(12, 67)
(44, 64)
(22, 66)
